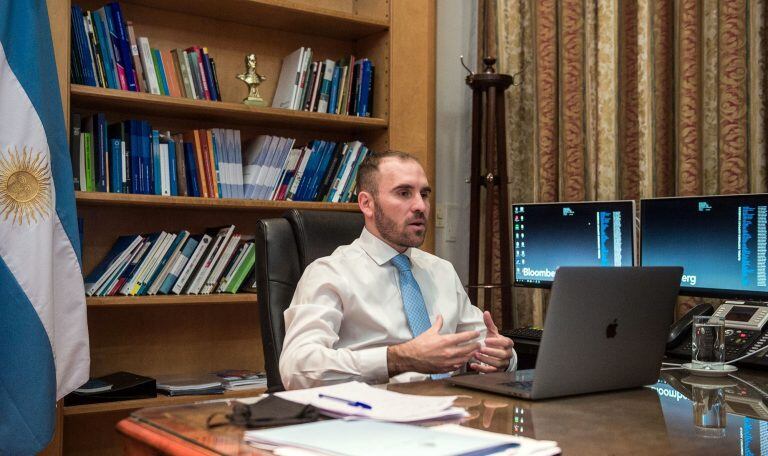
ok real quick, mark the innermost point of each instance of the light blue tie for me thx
(413, 301)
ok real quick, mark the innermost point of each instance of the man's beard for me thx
(398, 236)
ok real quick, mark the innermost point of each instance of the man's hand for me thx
(431, 352)
(496, 353)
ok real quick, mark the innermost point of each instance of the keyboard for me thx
(524, 333)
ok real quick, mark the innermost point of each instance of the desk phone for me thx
(745, 331)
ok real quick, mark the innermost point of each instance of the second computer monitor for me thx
(720, 241)
(547, 236)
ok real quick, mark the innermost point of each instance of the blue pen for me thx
(348, 402)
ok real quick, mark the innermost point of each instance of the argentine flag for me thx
(43, 333)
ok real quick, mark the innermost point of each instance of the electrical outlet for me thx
(451, 222)
(440, 216)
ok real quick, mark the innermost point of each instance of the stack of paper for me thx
(526, 446)
(374, 438)
(356, 399)
(241, 379)
(182, 385)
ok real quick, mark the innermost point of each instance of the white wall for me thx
(456, 35)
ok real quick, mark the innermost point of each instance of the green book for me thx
(243, 270)
(158, 64)
(90, 175)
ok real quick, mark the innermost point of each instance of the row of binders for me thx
(336, 87)
(107, 53)
(132, 157)
(166, 263)
(321, 171)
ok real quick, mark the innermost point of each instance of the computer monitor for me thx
(549, 235)
(720, 241)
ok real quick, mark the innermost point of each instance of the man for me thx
(380, 309)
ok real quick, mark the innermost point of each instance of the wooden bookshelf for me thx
(147, 104)
(188, 202)
(170, 300)
(159, 401)
(298, 17)
(154, 335)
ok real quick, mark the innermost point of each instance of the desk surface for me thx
(659, 419)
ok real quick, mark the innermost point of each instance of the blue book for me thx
(146, 157)
(170, 252)
(181, 261)
(119, 163)
(172, 166)
(316, 170)
(133, 132)
(348, 189)
(335, 89)
(216, 158)
(209, 77)
(106, 50)
(84, 49)
(365, 89)
(321, 170)
(314, 153)
(339, 174)
(116, 168)
(124, 45)
(110, 262)
(101, 148)
(157, 172)
(193, 188)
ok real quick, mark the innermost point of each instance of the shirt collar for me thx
(378, 250)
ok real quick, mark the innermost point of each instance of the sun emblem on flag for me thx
(25, 186)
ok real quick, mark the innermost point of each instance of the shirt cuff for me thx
(512, 362)
(372, 364)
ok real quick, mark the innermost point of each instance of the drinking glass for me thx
(708, 342)
(709, 417)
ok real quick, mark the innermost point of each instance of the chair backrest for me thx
(284, 247)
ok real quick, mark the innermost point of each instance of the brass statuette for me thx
(252, 79)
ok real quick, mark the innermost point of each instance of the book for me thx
(169, 261)
(325, 86)
(243, 270)
(228, 250)
(141, 84)
(288, 82)
(178, 264)
(220, 239)
(191, 265)
(148, 66)
(74, 149)
(116, 255)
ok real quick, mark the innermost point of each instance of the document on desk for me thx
(375, 438)
(526, 446)
(360, 400)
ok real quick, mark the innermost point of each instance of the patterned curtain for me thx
(630, 99)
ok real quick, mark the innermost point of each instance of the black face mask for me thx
(270, 411)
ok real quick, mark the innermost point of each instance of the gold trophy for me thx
(252, 79)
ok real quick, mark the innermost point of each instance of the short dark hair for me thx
(366, 174)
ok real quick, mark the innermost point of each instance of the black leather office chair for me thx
(284, 247)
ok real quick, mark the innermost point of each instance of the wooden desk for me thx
(654, 420)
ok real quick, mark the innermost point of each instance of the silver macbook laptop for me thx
(606, 329)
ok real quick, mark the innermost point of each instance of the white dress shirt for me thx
(347, 310)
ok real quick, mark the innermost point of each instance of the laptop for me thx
(606, 329)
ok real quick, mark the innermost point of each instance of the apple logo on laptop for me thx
(610, 330)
